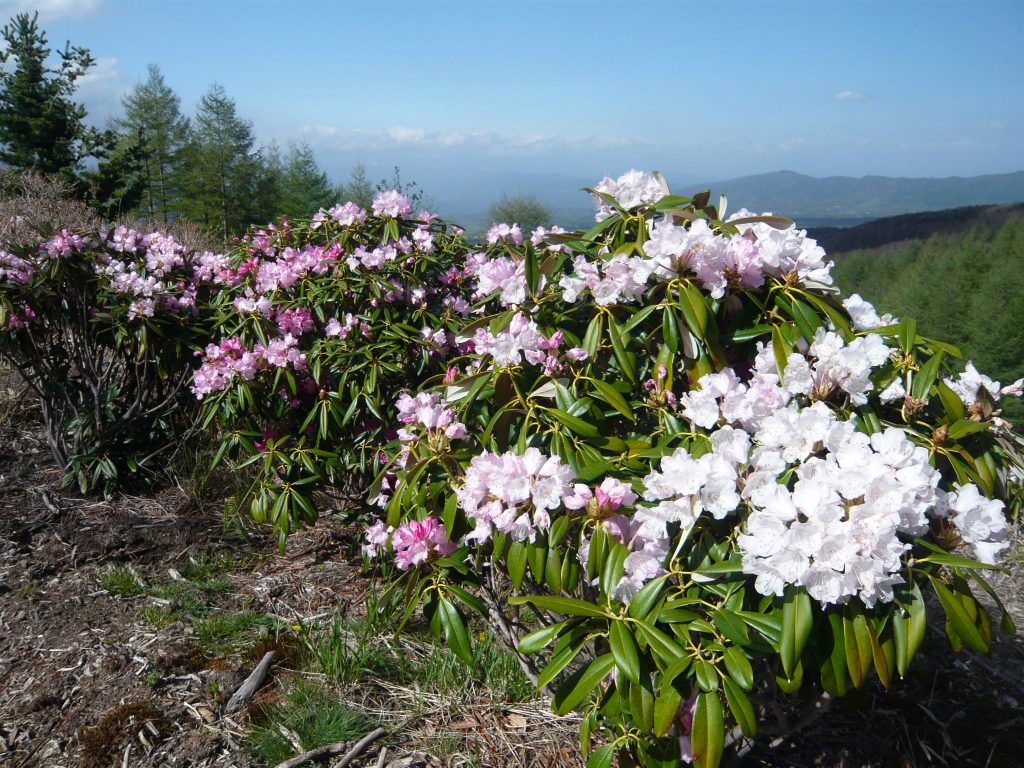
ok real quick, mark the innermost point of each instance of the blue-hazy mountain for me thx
(832, 201)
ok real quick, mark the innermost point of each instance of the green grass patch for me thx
(122, 582)
(231, 633)
(315, 715)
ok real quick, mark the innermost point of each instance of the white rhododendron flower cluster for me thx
(970, 384)
(631, 190)
(979, 521)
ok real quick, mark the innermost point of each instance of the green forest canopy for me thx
(966, 288)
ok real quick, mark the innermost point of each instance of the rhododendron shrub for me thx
(323, 324)
(681, 475)
(102, 325)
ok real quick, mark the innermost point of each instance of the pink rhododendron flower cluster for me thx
(65, 244)
(391, 203)
(521, 340)
(223, 362)
(348, 214)
(341, 330)
(512, 493)
(503, 233)
(15, 269)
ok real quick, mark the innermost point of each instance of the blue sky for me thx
(702, 90)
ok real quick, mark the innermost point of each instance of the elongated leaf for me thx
(540, 639)
(577, 425)
(515, 561)
(951, 402)
(455, 634)
(797, 619)
(661, 645)
(646, 599)
(926, 376)
(958, 617)
(621, 342)
(582, 684)
(741, 708)
(708, 734)
(560, 659)
(666, 707)
(613, 398)
(739, 668)
(569, 606)
(601, 757)
(908, 334)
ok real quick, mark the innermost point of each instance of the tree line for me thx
(154, 161)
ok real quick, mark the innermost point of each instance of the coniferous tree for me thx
(359, 189)
(304, 185)
(268, 184)
(117, 186)
(153, 119)
(41, 127)
(222, 167)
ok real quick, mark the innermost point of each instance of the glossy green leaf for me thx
(569, 606)
(741, 708)
(739, 668)
(958, 617)
(797, 620)
(708, 734)
(582, 684)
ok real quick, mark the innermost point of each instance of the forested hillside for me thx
(965, 287)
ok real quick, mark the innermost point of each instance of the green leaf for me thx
(646, 599)
(739, 668)
(455, 634)
(569, 606)
(614, 566)
(908, 334)
(621, 341)
(708, 733)
(560, 659)
(781, 350)
(666, 707)
(592, 338)
(958, 617)
(670, 329)
(769, 626)
(540, 639)
(706, 674)
(601, 757)
(965, 427)
(797, 620)
(531, 267)
(951, 402)
(609, 394)
(926, 376)
(577, 425)
(582, 684)
(741, 708)
(857, 643)
(515, 562)
(694, 309)
(661, 645)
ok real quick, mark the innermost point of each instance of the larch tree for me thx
(222, 167)
(153, 120)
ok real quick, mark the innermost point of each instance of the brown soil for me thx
(85, 680)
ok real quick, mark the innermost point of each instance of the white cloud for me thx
(50, 10)
(100, 89)
(486, 142)
(850, 96)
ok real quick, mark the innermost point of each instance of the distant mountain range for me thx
(830, 201)
(806, 198)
